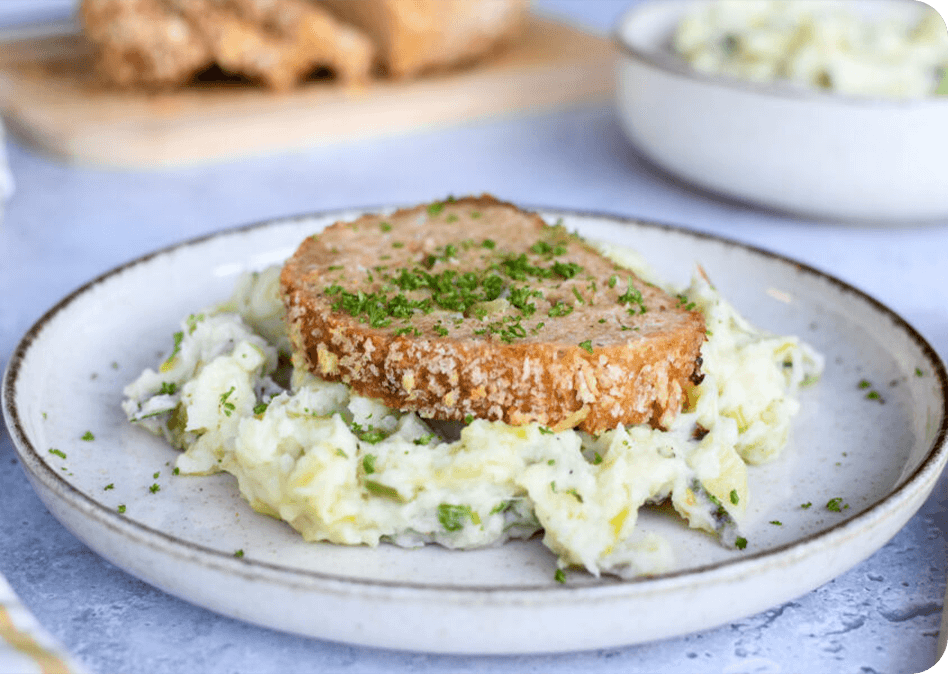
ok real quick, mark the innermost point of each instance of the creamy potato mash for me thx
(818, 44)
(343, 468)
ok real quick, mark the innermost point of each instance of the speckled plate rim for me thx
(909, 494)
(669, 64)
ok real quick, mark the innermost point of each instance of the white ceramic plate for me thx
(805, 152)
(66, 378)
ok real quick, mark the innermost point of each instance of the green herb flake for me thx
(544, 430)
(225, 405)
(612, 281)
(452, 516)
(385, 226)
(239, 554)
(168, 388)
(121, 509)
(597, 458)
(865, 383)
(873, 395)
(56, 452)
(155, 488)
(587, 346)
(368, 464)
(475, 215)
(176, 471)
(108, 487)
(260, 408)
(740, 543)
(918, 372)
(489, 244)
(155, 476)
(451, 218)
(88, 437)
(735, 499)
(398, 244)
(468, 418)
(551, 462)
(560, 576)
(776, 523)
(836, 505)
(379, 489)
(424, 439)
(435, 208)
(806, 505)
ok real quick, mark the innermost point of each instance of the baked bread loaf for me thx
(474, 308)
(159, 43)
(415, 36)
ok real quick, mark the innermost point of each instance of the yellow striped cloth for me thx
(24, 645)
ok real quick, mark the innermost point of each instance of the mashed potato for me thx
(343, 468)
(818, 45)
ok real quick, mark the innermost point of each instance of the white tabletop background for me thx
(66, 225)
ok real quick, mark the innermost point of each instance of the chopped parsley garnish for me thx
(380, 489)
(239, 553)
(435, 208)
(776, 523)
(87, 436)
(176, 471)
(452, 516)
(56, 452)
(341, 452)
(409, 330)
(587, 345)
(735, 499)
(385, 227)
(260, 408)
(475, 215)
(575, 494)
(489, 244)
(559, 576)
(560, 309)
(368, 464)
(424, 439)
(566, 269)
(836, 505)
(740, 543)
(468, 418)
(864, 383)
(634, 297)
(918, 372)
(451, 218)
(178, 338)
(806, 505)
(545, 430)
(226, 406)
(578, 296)
(109, 486)
(873, 395)
(371, 434)
(612, 281)
(398, 244)
(121, 509)
(168, 388)
(155, 488)
(155, 476)
(192, 322)
(597, 458)
(551, 462)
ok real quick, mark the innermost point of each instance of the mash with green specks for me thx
(819, 45)
(346, 469)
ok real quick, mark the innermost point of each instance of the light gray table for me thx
(66, 225)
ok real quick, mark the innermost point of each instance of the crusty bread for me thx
(166, 42)
(415, 36)
(572, 341)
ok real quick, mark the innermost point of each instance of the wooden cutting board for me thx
(51, 100)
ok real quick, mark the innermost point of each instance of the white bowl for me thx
(807, 152)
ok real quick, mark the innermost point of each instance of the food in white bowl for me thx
(815, 152)
(338, 466)
(818, 45)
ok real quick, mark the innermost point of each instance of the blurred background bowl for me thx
(811, 153)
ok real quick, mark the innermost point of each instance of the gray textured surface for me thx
(67, 225)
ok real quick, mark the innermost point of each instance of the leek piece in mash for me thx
(819, 45)
(342, 468)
